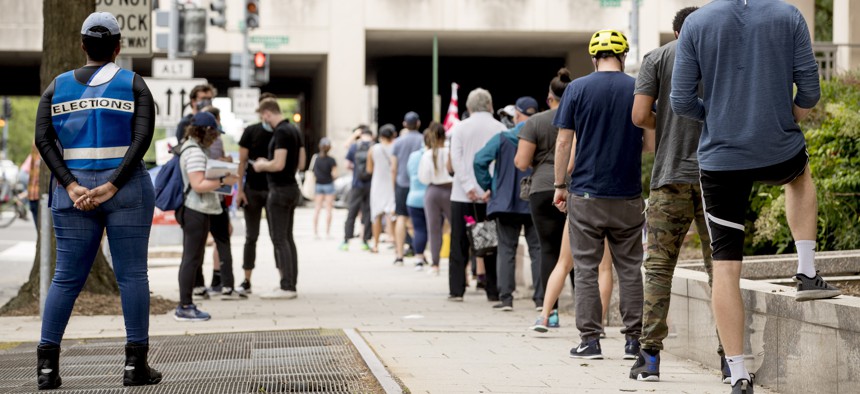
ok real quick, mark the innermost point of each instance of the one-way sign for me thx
(171, 98)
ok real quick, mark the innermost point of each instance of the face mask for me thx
(203, 103)
(267, 127)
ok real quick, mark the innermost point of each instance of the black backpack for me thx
(361, 152)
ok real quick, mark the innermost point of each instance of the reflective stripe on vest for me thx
(93, 121)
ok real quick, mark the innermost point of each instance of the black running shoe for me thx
(587, 350)
(744, 386)
(245, 286)
(631, 349)
(647, 367)
(813, 288)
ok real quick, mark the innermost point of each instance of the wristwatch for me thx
(560, 185)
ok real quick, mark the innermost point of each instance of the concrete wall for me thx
(792, 347)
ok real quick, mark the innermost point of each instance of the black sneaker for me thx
(245, 286)
(200, 293)
(647, 367)
(727, 372)
(504, 306)
(588, 350)
(228, 294)
(631, 349)
(744, 386)
(813, 288)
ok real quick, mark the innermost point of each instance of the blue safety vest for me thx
(93, 121)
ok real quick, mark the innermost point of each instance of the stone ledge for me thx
(794, 347)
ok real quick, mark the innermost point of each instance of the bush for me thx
(833, 140)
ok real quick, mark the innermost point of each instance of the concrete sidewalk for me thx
(430, 344)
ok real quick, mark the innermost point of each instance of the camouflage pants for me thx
(671, 209)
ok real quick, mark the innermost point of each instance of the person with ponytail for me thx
(432, 172)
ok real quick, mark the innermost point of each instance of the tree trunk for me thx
(61, 51)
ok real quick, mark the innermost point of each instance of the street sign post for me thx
(172, 69)
(245, 102)
(135, 22)
(171, 98)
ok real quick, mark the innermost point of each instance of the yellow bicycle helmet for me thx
(608, 41)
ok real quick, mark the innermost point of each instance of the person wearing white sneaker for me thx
(280, 294)
(753, 80)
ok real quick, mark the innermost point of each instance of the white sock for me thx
(805, 257)
(739, 369)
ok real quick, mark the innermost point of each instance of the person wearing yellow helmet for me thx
(604, 198)
(608, 43)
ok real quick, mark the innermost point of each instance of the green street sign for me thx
(610, 3)
(270, 42)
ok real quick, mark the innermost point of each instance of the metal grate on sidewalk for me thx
(301, 361)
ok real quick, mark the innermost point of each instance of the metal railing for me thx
(825, 55)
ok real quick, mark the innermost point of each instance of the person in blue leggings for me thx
(103, 117)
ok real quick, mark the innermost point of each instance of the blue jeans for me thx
(127, 217)
(419, 224)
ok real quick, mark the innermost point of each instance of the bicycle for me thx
(11, 205)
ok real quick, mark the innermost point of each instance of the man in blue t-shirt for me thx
(749, 56)
(604, 198)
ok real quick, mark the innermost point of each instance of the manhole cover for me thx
(301, 361)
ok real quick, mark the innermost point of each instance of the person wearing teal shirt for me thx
(415, 204)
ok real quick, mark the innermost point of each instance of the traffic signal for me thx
(260, 65)
(252, 14)
(192, 31)
(219, 7)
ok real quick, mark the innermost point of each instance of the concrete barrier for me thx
(792, 347)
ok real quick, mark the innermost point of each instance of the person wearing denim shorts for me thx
(324, 169)
(103, 116)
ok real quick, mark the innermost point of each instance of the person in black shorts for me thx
(750, 134)
(324, 169)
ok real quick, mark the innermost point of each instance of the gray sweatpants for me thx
(620, 222)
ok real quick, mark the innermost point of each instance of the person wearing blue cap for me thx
(512, 214)
(200, 207)
(410, 140)
(104, 118)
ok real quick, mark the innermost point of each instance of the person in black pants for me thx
(536, 150)
(253, 189)
(359, 195)
(201, 205)
(286, 156)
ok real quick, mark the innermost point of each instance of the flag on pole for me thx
(453, 116)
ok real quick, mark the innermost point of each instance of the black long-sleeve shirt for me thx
(143, 126)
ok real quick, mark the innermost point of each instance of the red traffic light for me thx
(251, 7)
(259, 59)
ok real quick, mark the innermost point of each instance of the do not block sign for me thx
(135, 22)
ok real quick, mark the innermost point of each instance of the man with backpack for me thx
(359, 195)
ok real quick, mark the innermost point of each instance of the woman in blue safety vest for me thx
(93, 126)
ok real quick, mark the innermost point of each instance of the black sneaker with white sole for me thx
(504, 306)
(647, 366)
(744, 386)
(245, 286)
(200, 293)
(587, 350)
(631, 349)
(814, 288)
